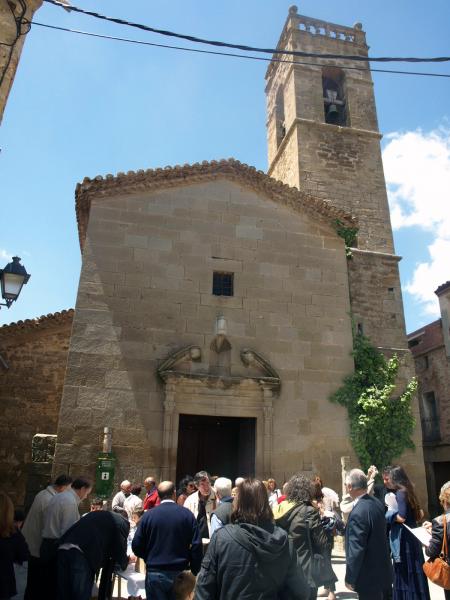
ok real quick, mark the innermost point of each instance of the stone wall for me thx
(10, 13)
(433, 372)
(434, 376)
(376, 298)
(32, 369)
(146, 291)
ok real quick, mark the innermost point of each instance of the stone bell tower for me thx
(323, 138)
(322, 125)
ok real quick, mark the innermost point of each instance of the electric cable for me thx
(230, 54)
(198, 40)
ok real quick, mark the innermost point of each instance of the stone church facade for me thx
(238, 383)
(214, 311)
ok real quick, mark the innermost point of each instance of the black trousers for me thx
(48, 565)
(372, 595)
(35, 585)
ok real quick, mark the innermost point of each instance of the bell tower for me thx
(322, 125)
(323, 138)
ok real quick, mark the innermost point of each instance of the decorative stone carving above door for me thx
(194, 387)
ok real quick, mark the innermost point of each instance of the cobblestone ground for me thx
(342, 593)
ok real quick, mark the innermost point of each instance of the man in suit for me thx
(93, 542)
(369, 568)
(169, 541)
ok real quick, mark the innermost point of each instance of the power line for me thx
(242, 46)
(230, 54)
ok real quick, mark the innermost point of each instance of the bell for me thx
(332, 113)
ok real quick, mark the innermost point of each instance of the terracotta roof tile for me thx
(442, 288)
(155, 179)
(65, 316)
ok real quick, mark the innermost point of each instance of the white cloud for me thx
(5, 256)
(417, 170)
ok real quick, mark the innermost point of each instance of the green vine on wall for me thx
(348, 234)
(381, 424)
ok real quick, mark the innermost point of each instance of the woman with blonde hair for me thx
(13, 548)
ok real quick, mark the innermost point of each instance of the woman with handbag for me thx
(409, 579)
(440, 536)
(301, 520)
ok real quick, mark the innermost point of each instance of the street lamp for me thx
(12, 278)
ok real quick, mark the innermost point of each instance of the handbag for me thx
(437, 569)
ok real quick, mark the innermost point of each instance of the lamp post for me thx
(12, 278)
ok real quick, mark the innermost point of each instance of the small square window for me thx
(223, 284)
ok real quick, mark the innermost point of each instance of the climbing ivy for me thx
(348, 234)
(380, 424)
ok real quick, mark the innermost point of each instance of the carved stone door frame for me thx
(199, 393)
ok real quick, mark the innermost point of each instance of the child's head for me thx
(183, 586)
(136, 516)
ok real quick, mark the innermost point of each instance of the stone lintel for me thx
(225, 381)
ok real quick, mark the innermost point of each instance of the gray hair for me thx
(238, 481)
(357, 479)
(222, 487)
(445, 487)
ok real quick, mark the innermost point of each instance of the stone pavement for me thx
(338, 560)
(342, 592)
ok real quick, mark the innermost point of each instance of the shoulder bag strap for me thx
(444, 549)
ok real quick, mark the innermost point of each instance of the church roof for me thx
(156, 179)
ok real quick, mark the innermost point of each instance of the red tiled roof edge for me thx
(44, 321)
(155, 179)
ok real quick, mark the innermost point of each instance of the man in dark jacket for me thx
(87, 546)
(169, 541)
(369, 569)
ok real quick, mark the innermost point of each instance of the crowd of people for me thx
(210, 539)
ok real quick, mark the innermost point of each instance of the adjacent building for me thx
(430, 346)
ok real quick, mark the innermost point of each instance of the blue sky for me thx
(81, 107)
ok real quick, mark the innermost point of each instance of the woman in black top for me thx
(301, 519)
(13, 548)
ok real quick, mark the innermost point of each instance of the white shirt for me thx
(132, 504)
(34, 523)
(62, 512)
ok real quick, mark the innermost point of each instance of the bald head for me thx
(166, 490)
(125, 486)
